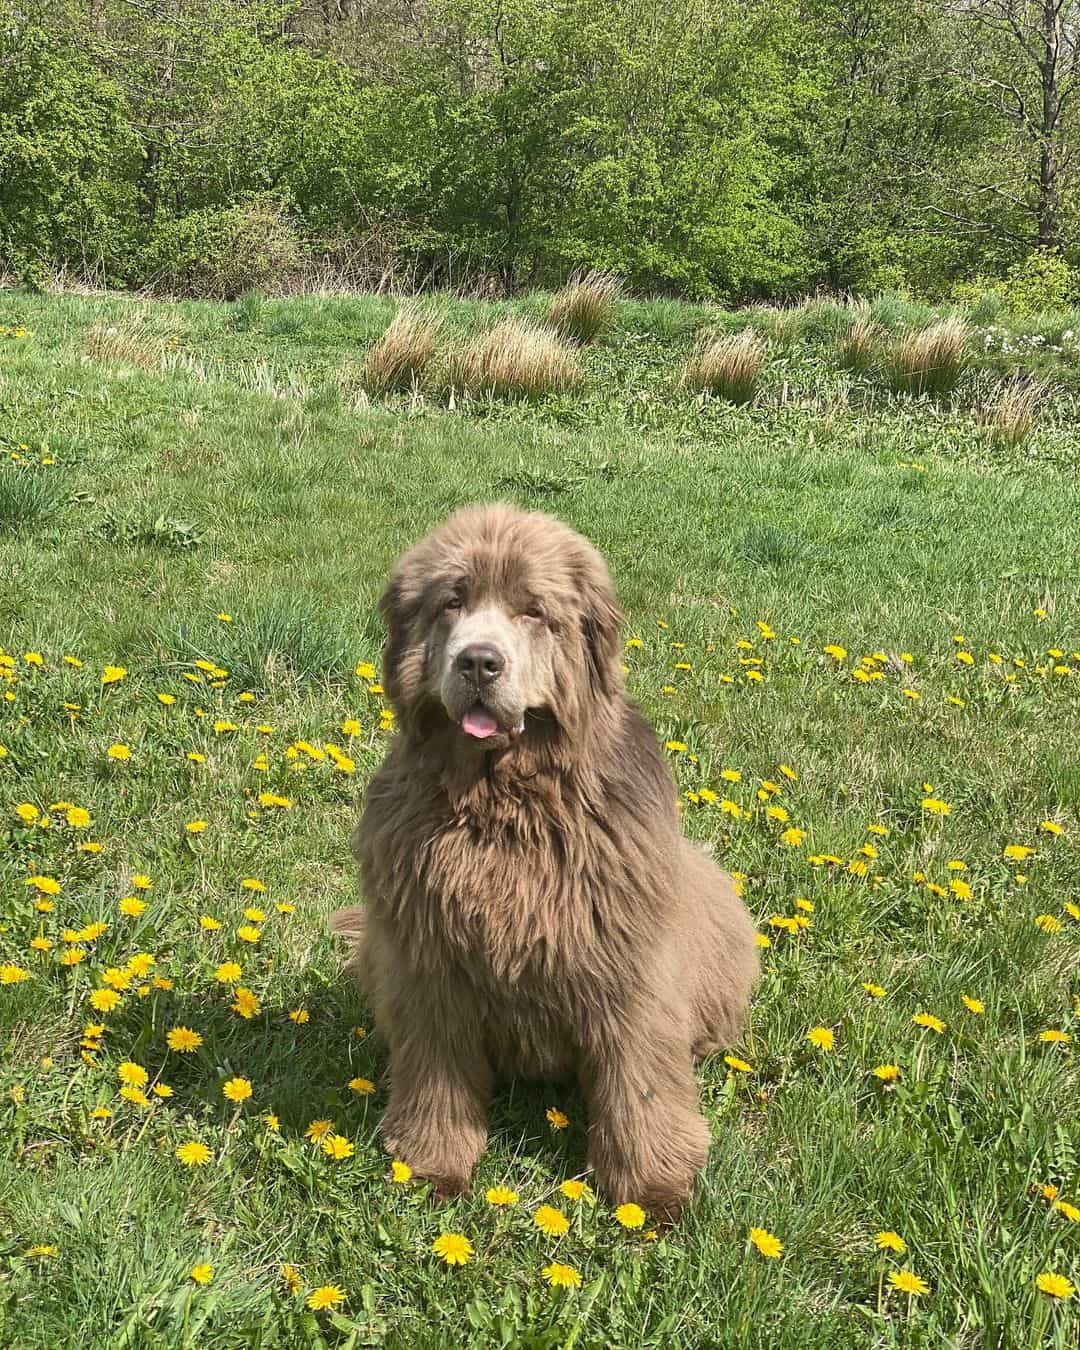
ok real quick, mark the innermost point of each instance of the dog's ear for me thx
(600, 620)
(398, 608)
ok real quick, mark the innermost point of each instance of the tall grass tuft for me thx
(516, 360)
(286, 636)
(931, 360)
(581, 309)
(401, 355)
(1010, 416)
(727, 367)
(859, 345)
(29, 498)
(132, 342)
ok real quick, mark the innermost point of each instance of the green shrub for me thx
(223, 253)
(1044, 280)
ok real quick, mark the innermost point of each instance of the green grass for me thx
(241, 476)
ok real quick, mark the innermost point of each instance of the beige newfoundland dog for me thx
(532, 907)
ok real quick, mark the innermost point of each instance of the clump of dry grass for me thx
(516, 360)
(1011, 414)
(401, 355)
(931, 360)
(131, 342)
(727, 367)
(859, 345)
(581, 309)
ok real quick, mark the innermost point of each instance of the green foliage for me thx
(759, 151)
(222, 253)
(1042, 281)
(68, 156)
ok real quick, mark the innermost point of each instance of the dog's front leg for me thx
(440, 1083)
(647, 1137)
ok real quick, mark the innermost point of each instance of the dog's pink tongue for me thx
(479, 722)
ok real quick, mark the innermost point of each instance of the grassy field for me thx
(855, 621)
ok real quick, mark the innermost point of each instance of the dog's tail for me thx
(351, 924)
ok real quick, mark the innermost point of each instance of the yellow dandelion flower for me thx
(247, 1004)
(183, 1040)
(934, 806)
(326, 1296)
(134, 1075)
(630, 1216)
(228, 972)
(132, 907)
(1055, 1286)
(453, 1248)
(821, 1038)
(562, 1277)
(194, 1154)
(739, 1065)
(502, 1197)
(237, 1089)
(363, 1087)
(336, 1146)
(973, 1005)
(551, 1221)
(1066, 1210)
(318, 1130)
(766, 1243)
(907, 1282)
(575, 1190)
(45, 885)
(1054, 1037)
(557, 1119)
(10, 973)
(889, 1241)
(888, 1073)
(929, 1021)
(105, 1000)
(119, 752)
(1048, 923)
(401, 1172)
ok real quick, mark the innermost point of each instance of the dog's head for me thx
(497, 615)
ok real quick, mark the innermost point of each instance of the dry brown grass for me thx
(859, 345)
(131, 342)
(1012, 413)
(727, 367)
(401, 355)
(516, 360)
(581, 309)
(931, 360)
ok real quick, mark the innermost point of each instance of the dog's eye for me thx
(453, 603)
(534, 611)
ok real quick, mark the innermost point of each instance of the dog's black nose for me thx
(481, 662)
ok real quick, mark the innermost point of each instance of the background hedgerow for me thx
(852, 618)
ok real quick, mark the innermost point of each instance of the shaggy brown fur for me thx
(532, 906)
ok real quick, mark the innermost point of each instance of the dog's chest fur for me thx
(525, 898)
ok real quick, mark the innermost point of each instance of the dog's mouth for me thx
(481, 724)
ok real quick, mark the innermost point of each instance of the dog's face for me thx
(496, 617)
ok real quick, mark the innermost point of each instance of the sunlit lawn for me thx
(858, 634)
